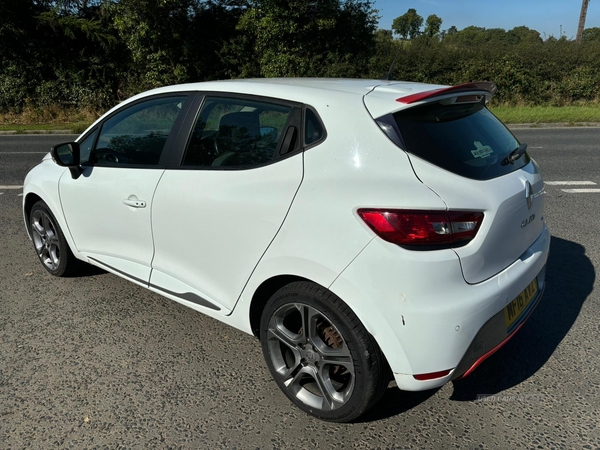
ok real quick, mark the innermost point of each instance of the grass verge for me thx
(75, 128)
(76, 121)
(548, 114)
(48, 118)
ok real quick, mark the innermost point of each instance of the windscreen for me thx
(466, 139)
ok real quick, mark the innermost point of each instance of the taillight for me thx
(435, 229)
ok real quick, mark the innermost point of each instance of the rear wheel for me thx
(320, 354)
(50, 243)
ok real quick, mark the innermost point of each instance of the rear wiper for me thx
(514, 155)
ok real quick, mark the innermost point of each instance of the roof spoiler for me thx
(486, 87)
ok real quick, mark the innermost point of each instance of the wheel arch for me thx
(271, 285)
(372, 317)
(31, 195)
(262, 295)
(28, 202)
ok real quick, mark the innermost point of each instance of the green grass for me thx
(572, 115)
(547, 114)
(75, 128)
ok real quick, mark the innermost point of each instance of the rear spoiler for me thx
(486, 88)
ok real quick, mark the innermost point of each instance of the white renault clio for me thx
(362, 229)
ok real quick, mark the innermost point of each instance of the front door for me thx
(122, 164)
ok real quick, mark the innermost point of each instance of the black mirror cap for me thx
(67, 155)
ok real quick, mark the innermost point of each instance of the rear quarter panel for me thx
(355, 167)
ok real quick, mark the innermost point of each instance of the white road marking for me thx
(581, 191)
(11, 187)
(570, 183)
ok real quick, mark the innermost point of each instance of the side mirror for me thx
(67, 155)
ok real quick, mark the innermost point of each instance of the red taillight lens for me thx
(423, 228)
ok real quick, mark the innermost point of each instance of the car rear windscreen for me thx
(466, 139)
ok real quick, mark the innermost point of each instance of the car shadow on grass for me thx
(570, 278)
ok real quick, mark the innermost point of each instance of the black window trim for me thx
(169, 147)
(318, 117)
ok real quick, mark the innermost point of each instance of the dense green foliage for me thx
(93, 53)
(526, 69)
(305, 38)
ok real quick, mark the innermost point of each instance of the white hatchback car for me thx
(362, 229)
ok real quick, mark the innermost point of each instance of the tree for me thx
(304, 38)
(523, 34)
(73, 27)
(470, 35)
(496, 34)
(408, 24)
(385, 50)
(591, 34)
(433, 25)
(174, 41)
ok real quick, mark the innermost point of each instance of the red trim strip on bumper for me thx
(501, 344)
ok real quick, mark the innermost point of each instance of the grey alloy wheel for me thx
(45, 239)
(50, 243)
(311, 356)
(320, 354)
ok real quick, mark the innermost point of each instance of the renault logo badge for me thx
(528, 194)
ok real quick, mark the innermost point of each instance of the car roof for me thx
(313, 91)
(304, 88)
(318, 92)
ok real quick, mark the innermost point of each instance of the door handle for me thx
(134, 202)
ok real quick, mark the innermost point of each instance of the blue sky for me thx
(545, 16)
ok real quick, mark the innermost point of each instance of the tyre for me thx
(319, 353)
(50, 243)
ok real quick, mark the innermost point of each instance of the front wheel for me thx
(50, 243)
(319, 353)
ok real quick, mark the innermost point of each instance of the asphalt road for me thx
(98, 362)
(19, 153)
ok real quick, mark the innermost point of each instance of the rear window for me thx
(465, 139)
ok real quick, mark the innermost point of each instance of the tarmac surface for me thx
(98, 362)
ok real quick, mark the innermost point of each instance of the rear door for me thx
(217, 212)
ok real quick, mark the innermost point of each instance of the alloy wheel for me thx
(311, 356)
(45, 239)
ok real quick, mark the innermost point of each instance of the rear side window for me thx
(313, 131)
(232, 132)
(466, 139)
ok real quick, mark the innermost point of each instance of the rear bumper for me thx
(423, 314)
(494, 334)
